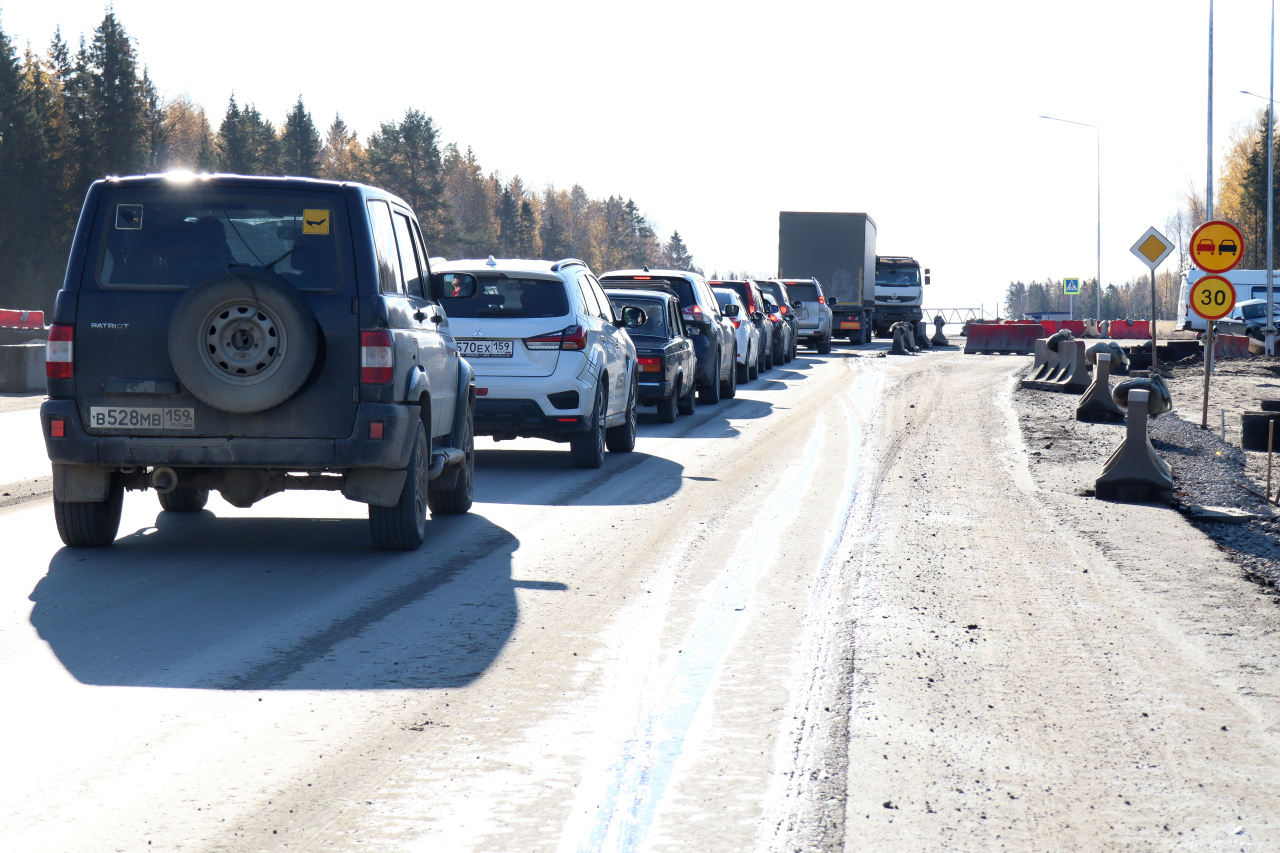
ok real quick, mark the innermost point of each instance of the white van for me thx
(1249, 284)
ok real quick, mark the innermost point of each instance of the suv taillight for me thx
(694, 313)
(58, 352)
(822, 300)
(377, 358)
(572, 338)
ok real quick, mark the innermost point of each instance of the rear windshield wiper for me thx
(271, 266)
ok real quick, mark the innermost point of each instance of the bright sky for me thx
(715, 116)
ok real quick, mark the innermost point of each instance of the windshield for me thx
(511, 297)
(897, 276)
(654, 325)
(803, 292)
(171, 240)
(1253, 312)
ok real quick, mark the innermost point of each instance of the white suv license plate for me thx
(130, 417)
(486, 349)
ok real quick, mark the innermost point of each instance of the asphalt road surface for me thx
(835, 613)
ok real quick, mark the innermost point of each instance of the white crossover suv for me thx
(550, 357)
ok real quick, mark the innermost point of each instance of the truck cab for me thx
(899, 292)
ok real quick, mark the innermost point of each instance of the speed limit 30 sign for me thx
(1212, 297)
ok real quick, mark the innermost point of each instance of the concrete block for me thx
(22, 368)
(1135, 473)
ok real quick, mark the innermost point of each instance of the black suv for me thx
(714, 341)
(253, 335)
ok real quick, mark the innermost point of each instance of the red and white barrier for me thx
(1231, 346)
(1129, 330)
(21, 319)
(1019, 337)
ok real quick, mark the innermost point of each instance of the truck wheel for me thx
(588, 447)
(458, 500)
(688, 404)
(709, 394)
(622, 438)
(243, 343)
(824, 346)
(183, 500)
(403, 527)
(93, 524)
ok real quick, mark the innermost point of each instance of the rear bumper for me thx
(79, 447)
(651, 392)
(525, 419)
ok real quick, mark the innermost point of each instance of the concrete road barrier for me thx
(1017, 338)
(938, 339)
(10, 319)
(1135, 473)
(922, 336)
(1092, 329)
(1231, 346)
(22, 368)
(1096, 405)
(1063, 369)
(899, 346)
(1129, 330)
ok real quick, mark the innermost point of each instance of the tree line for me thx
(68, 117)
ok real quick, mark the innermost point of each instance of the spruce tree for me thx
(676, 253)
(299, 143)
(405, 159)
(116, 104)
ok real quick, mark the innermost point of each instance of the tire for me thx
(709, 394)
(183, 500)
(729, 387)
(746, 372)
(688, 404)
(244, 343)
(768, 358)
(669, 405)
(458, 500)
(90, 525)
(622, 438)
(403, 527)
(588, 447)
(824, 346)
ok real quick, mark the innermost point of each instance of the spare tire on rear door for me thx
(243, 341)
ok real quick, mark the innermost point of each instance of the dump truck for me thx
(899, 292)
(839, 250)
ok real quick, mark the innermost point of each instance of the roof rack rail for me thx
(566, 262)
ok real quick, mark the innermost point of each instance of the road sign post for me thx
(1152, 248)
(1212, 297)
(1071, 287)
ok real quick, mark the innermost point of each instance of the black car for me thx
(753, 301)
(780, 332)
(664, 351)
(253, 335)
(714, 341)
(779, 293)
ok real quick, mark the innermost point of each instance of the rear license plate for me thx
(130, 417)
(850, 324)
(486, 349)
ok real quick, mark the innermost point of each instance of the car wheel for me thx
(688, 404)
(403, 527)
(746, 372)
(243, 343)
(458, 500)
(183, 500)
(709, 394)
(622, 438)
(768, 358)
(90, 524)
(824, 346)
(729, 387)
(669, 405)
(588, 447)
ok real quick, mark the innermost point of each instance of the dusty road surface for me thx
(837, 613)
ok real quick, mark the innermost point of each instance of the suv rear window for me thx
(168, 239)
(511, 297)
(803, 292)
(682, 287)
(655, 324)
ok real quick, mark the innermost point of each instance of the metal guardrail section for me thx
(959, 316)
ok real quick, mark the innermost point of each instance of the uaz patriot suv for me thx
(253, 335)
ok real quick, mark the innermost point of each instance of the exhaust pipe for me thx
(164, 480)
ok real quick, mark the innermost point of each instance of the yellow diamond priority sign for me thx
(1152, 248)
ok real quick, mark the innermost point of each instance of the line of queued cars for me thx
(253, 335)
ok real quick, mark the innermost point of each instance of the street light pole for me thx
(1209, 179)
(1098, 131)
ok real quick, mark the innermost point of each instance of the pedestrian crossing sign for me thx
(1071, 287)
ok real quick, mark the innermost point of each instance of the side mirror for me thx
(797, 304)
(454, 285)
(926, 271)
(831, 301)
(926, 276)
(757, 316)
(632, 317)
(729, 310)
(691, 330)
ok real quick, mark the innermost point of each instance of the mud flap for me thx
(80, 483)
(377, 486)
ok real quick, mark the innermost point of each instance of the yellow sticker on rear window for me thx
(315, 222)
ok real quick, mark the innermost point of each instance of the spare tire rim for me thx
(243, 343)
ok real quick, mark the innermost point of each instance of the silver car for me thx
(812, 311)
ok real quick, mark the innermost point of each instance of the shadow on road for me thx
(253, 604)
(549, 478)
